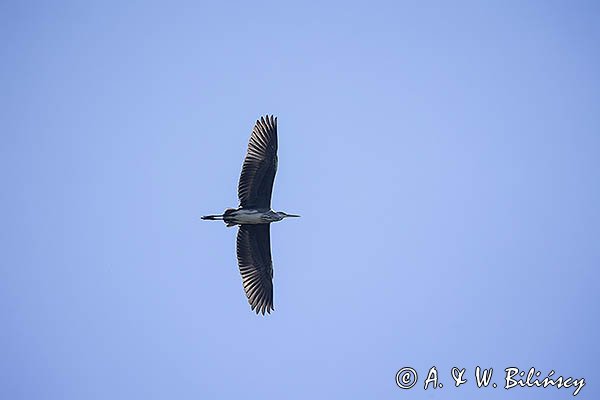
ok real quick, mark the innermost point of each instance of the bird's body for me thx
(254, 215)
(248, 216)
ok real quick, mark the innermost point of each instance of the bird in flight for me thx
(254, 215)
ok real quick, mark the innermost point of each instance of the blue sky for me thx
(443, 156)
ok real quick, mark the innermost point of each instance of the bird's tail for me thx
(225, 217)
(212, 217)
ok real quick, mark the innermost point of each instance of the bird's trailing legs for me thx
(219, 218)
(212, 217)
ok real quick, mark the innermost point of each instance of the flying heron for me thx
(254, 215)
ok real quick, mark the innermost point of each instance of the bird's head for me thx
(283, 215)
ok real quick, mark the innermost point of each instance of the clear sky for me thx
(444, 156)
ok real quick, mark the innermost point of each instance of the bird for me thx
(254, 215)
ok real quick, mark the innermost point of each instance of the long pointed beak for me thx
(292, 215)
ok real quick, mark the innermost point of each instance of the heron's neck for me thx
(275, 215)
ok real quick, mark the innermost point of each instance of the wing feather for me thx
(256, 266)
(260, 165)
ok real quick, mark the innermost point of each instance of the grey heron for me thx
(254, 215)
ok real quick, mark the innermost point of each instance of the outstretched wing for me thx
(260, 165)
(256, 266)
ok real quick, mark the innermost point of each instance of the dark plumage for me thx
(254, 191)
(256, 265)
(254, 215)
(260, 166)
